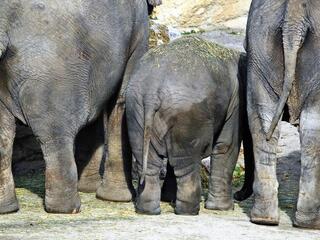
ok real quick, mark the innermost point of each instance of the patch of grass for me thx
(238, 176)
(34, 182)
(204, 177)
(235, 33)
(192, 31)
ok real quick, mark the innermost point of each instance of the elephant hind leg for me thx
(89, 155)
(116, 183)
(61, 176)
(223, 161)
(308, 206)
(149, 193)
(8, 199)
(266, 205)
(188, 187)
(260, 107)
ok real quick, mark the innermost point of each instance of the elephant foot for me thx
(304, 220)
(7, 207)
(243, 194)
(147, 208)
(184, 208)
(89, 184)
(114, 191)
(219, 203)
(63, 205)
(265, 212)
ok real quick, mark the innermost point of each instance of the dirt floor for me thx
(105, 220)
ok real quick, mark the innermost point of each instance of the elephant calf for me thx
(183, 103)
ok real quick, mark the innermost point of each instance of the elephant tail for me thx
(294, 30)
(148, 124)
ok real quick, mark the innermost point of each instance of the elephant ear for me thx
(155, 3)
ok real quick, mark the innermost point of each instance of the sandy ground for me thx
(105, 220)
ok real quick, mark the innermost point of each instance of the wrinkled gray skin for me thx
(283, 68)
(61, 63)
(116, 182)
(182, 103)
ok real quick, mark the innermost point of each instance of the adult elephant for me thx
(61, 63)
(283, 68)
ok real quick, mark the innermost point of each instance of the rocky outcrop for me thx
(204, 14)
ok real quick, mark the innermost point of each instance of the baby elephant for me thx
(183, 103)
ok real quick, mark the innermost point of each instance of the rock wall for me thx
(204, 14)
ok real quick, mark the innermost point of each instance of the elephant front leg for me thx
(116, 184)
(308, 207)
(8, 199)
(265, 208)
(61, 176)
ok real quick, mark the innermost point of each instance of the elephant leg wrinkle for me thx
(61, 176)
(8, 199)
(308, 206)
(188, 190)
(223, 161)
(149, 193)
(265, 208)
(116, 184)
